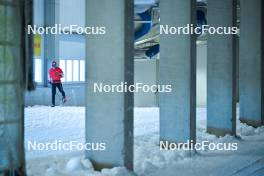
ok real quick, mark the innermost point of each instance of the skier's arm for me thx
(50, 79)
(61, 73)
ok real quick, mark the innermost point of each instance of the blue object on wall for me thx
(200, 17)
(152, 51)
(145, 16)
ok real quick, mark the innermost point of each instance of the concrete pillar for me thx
(251, 66)
(51, 41)
(177, 67)
(221, 69)
(12, 84)
(109, 60)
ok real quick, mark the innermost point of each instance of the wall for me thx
(38, 11)
(145, 72)
(73, 47)
(72, 12)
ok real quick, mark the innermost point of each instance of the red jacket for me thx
(55, 74)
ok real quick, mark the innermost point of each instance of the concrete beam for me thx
(177, 67)
(12, 84)
(109, 60)
(221, 69)
(51, 41)
(251, 63)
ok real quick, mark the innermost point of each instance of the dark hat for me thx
(54, 63)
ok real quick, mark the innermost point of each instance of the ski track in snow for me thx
(46, 124)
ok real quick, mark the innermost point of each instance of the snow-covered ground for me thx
(46, 124)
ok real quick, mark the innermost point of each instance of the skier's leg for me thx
(53, 91)
(61, 90)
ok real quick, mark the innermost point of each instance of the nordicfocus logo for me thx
(65, 146)
(198, 30)
(58, 29)
(125, 87)
(203, 145)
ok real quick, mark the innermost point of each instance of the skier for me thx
(56, 74)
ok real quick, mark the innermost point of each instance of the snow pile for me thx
(78, 166)
(245, 130)
(87, 164)
(116, 171)
(149, 160)
(70, 166)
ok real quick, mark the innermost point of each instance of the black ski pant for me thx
(53, 90)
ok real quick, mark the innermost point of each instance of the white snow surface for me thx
(46, 124)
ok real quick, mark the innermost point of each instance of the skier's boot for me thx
(64, 100)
